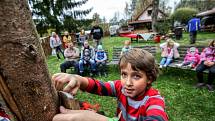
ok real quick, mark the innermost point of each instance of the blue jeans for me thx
(166, 61)
(83, 62)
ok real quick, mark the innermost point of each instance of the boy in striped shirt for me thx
(137, 100)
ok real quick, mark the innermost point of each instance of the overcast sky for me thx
(107, 8)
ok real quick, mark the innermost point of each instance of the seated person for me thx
(101, 58)
(72, 55)
(126, 48)
(169, 52)
(192, 58)
(207, 61)
(87, 58)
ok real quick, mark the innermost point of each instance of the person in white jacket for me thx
(55, 44)
(169, 51)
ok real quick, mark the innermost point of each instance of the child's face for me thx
(134, 82)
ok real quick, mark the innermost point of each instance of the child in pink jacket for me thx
(192, 58)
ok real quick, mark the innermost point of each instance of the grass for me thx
(183, 101)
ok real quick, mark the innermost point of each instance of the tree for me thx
(25, 82)
(183, 15)
(155, 8)
(164, 8)
(200, 5)
(58, 13)
(115, 19)
(127, 11)
(96, 18)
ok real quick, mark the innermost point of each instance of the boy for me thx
(101, 58)
(137, 100)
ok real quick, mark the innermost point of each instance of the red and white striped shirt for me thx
(149, 107)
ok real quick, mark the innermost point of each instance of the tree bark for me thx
(155, 7)
(24, 78)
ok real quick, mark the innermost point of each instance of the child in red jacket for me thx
(137, 100)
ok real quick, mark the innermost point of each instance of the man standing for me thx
(97, 33)
(193, 27)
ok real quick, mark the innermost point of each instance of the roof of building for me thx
(206, 13)
(136, 18)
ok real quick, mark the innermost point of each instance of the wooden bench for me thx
(117, 52)
(183, 51)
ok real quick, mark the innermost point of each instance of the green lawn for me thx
(183, 102)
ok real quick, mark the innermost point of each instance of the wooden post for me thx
(25, 82)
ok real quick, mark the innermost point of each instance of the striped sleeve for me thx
(155, 109)
(101, 88)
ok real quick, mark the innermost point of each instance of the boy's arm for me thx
(155, 109)
(75, 82)
(103, 88)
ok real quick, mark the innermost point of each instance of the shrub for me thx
(183, 15)
(163, 27)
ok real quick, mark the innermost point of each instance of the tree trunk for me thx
(25, 82)
(155, 7)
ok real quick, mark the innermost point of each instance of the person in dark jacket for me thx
(97, 33)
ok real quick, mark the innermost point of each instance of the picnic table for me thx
(137, 37)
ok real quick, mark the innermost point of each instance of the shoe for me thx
(179, 65)
(210, 88)
(200, 85)
(190, 65)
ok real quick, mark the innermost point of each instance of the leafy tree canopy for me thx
(183, 15)
(58, 14)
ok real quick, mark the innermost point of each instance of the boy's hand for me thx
(78, 115)
(66, 82)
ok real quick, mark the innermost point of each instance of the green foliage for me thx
(58, 14)
(163, 27)
(183, 15)
(201, 5)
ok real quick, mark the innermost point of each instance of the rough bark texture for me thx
(24, 78)
(155, 5)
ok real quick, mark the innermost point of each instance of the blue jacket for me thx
(194, 25)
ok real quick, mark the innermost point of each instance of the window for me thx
(149, 12)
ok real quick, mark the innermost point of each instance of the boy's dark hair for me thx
(140, 60)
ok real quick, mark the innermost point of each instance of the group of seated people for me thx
(192, 59)
(88, 58)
